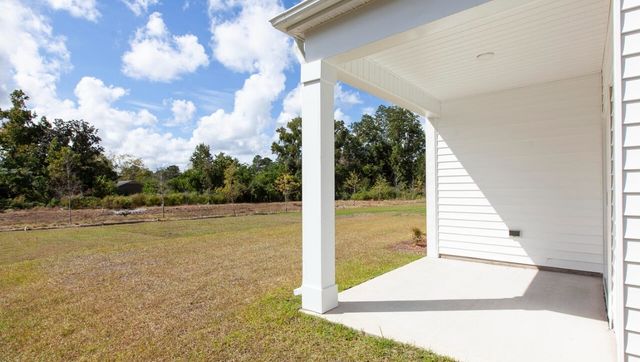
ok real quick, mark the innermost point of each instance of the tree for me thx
(288, 148)
(287, 184)
(352, 182)
(161, 177)
(24, 144)
(131, 168)
(84, 141)
(407, 142)
(233, 186)
(374, 148)
(381, 189)
(62, 163)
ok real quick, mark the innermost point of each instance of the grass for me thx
(216, 289)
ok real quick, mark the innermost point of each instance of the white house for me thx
(533, 135)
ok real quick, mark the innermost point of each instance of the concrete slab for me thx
(482, 312)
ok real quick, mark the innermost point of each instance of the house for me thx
(128, 187)
(533, 158)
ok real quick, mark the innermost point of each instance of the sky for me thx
(158, 77)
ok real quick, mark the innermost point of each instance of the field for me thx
(211, 289)
(53, 217)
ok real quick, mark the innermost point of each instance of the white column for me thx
(431, 172)
(319, 290)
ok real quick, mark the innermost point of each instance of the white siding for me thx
(527, 159)
(630, 164)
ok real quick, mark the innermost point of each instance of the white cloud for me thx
(157, 55)
(246, 42)
(369, 110)
(78, 8)
(32, 58)
(343, 99)
(183, 111)
(139, 7)
(291, 106)
(339, 115)
(346, 98)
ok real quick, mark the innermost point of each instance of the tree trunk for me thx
(69, 207)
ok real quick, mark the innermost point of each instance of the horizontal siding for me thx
(631, 173)
(528, 159)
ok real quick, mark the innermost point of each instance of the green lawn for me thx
(217, 289)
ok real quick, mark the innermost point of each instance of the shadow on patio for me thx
(482, 312)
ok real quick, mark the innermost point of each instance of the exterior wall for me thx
(527, 159)
(627, 127)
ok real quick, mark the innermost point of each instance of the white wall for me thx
(629, 162)
(528, 159)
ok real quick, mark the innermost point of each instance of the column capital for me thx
(318, 70)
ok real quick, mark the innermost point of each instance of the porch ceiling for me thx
(538, 41)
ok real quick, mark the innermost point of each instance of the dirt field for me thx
(57, 217)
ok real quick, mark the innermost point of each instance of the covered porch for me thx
(518, 97)
(483, 312)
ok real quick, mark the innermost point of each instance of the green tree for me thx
(381, 189)
(288, 148)
(24, 144)
(233, 187)
(62, 163)
(287, 184)
(84, 141)
(352, 182)
(406, 140)
(221, 162)
(132, 168)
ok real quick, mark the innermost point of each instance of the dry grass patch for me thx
(208, 289)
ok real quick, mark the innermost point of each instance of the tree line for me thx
(51, 163)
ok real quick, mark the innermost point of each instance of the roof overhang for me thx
(308, 14)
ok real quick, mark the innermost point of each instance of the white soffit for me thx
(543, 40)
(309, 14)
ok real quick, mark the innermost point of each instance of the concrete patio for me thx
(483, 312)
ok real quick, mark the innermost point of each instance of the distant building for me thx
(128, 187)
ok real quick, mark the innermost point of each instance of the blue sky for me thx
(158, 76)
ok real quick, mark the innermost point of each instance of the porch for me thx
(483, 312)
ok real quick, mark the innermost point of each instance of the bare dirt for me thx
(44, 217)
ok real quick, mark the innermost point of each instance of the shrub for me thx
(138, 200)
(86, 202)
(418, 237)
(20, 202)
(173, 199)
(117, 202)
(153, 200)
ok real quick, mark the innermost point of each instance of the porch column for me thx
(431, 172)
(319, 289)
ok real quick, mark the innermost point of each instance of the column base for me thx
(319, 300)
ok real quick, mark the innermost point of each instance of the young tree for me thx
(161, 177)
(352, 182)
(287, 184)
(233, 186)
(62, 162)
(381, 188)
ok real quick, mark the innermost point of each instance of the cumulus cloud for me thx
(343, 99)
(78, 8)
(32, 58)
(139, 7)
(244, 41)
(183, 112)
(157, 55)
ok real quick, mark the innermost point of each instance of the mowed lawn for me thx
(218, 289)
